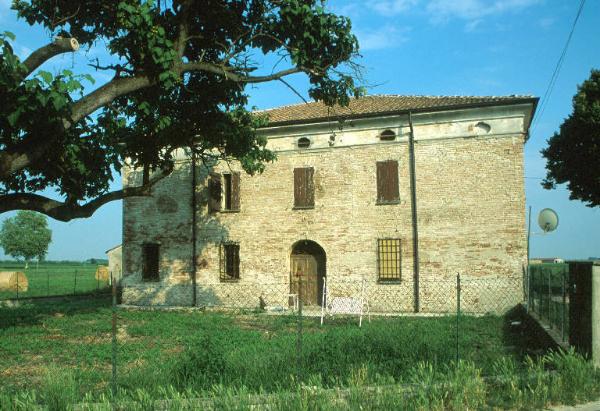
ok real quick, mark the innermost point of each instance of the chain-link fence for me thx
(480, 295)
(53, 281)
(548, 296)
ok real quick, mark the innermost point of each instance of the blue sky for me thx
(426, 47)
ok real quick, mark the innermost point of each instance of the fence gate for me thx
(580, 306)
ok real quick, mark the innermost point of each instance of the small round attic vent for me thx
(303, 142)
(483, 126)
(387, 135)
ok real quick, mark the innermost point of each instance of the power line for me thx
(558, 66)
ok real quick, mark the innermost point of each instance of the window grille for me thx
(230, 261)
(389, 259)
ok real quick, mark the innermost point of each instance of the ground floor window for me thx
(230, 261)
(388, 259)
(150, 262)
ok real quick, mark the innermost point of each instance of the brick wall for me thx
(470, 199)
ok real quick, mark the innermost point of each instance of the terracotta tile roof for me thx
(369, 106)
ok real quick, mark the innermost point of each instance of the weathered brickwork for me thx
(470, 207)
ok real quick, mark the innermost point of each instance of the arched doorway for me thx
(308, 268)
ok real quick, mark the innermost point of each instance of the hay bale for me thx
(102, 273)
(13, 281)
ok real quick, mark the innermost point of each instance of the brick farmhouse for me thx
(394, 194)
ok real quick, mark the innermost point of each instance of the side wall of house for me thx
(470, 203)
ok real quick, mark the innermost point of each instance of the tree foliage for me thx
(26, 236)
(180, 74)
(572, 154)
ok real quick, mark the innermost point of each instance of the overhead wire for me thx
(558, 66)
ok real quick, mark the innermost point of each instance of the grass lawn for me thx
(197, 350)
(55, 279)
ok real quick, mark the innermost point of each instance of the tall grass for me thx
(559, 377)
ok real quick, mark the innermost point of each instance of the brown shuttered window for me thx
(387, 182)
(150, 262)
(230, 261)
(388, 259)
(231, 191)
(304, 188)
(214, 192)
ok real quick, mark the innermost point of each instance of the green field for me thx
(54, 279)
(59, 354)
(258, 351)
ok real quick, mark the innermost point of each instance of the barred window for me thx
(389, 259)
(150, 262)
(230, 261)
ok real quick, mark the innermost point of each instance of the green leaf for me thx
(46, 76)
(10, 35)
(89, 78)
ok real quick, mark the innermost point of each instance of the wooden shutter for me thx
(214, 192)
(304, 188)
(387, 182)
(235, 191)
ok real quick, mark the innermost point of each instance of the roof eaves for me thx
(491, 103)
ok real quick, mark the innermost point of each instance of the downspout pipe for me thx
(413, 207)
(193, 203)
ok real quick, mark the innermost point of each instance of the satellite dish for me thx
(548, 220)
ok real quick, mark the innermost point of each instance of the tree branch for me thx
(60, 45)
(183, 28)
(66, 211)
(231, 74)
(11, 163)
(106, 94)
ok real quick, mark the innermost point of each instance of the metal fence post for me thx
(457, 313)
(549, 298)
(299, 336)
(47, 283)
(75, 283)
(114, 338)
(564, 304)
(17, 286)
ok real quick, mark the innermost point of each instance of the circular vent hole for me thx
(303, 142)
(387, 135)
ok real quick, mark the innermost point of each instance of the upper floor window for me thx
(224, 192)
(387, 182)
(303, 142)
(150, 262)
(230, 261)
(304, 188)
(387, 135)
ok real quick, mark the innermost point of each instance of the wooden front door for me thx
(304, 267)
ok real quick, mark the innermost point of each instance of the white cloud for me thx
(546, 22)
(471, 10)
(391, 7)
(384, 37)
